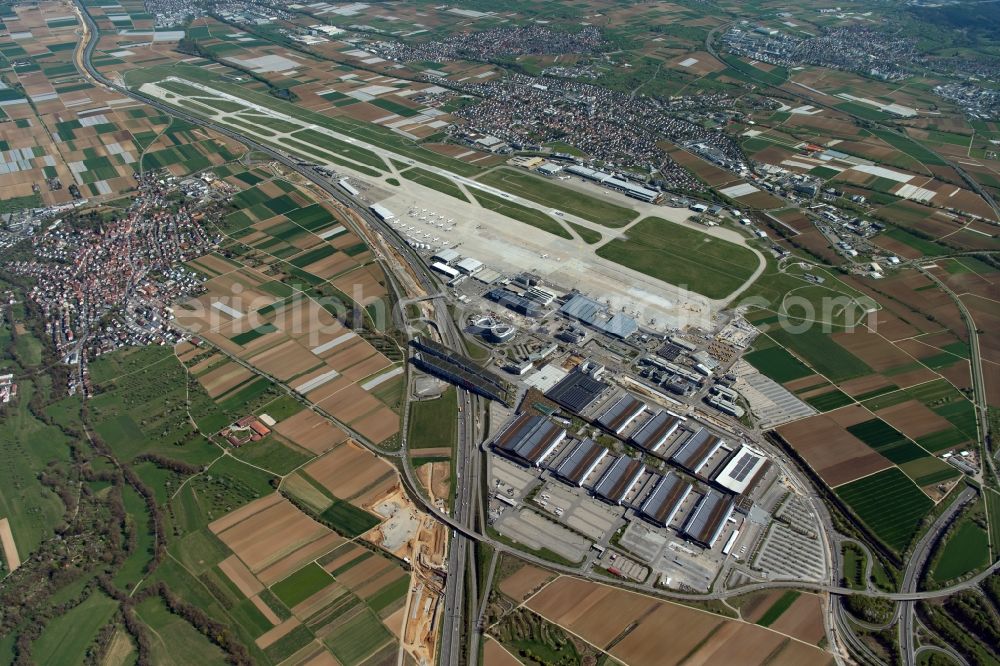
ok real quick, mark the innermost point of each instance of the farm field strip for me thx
(323, 599)
(890, 504)
(601, 615)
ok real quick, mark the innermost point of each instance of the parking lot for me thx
(680, 563)
(537, 532)
(791, 548)
(578, 510)
(770, 402)
(509, 479)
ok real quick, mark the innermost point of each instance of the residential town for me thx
(103, 284)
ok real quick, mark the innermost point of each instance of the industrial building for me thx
(445, 270)
(499, 333)
(577, 391)
(469, 266)
(619, 479)
(655, 432)
(620, 414)
(743, 471)
(541, 296)
(662, 504)
(529, 438)
(581, 462)
(608, 180)
(438, 360)
(347, 187)
(595, 314)
(706, 522)
(382, 213)
(446, 256)
(695, 452)
(632, 190)
(588, 173)
(572, 334)
(518, 304)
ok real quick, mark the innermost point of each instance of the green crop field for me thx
(433, 423)
(272, 454)
(289, 644)
(282, 204)
(389, 596)
(928, 471)
(888, 441)
(890, 504)
(551, 193)
(310, 217)
(778, 608)
(944, 439)
(966, 549)
(862, 111)
(312, 256)
(821, 351)
(348, 519)
(302, 584)
(249, 336)
(744, 70)
(395, 107)
(830, 400)
(962, 415)
(356, 639)
(532, 216)
(777, 364)
(342, 516)
(435, 182)
(922, 245)
(909, 146)
(684, 257)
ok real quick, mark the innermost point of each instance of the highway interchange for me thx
(464, 602)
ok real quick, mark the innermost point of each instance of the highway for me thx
(471, 422)
(915, 567)
(976, 361)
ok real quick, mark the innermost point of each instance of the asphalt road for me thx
(915, 567)
(976, 360)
